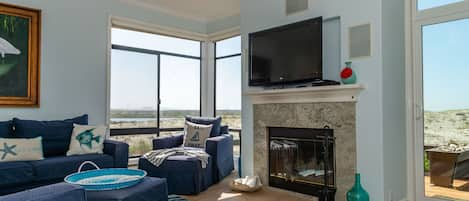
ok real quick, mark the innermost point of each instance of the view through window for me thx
(228, 84)
(155, 82)
(427, 4)
(446, 109)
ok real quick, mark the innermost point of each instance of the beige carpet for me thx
(222, 192)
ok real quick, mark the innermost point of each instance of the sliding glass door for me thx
(441, 82)
(446, 109)
(155, 82)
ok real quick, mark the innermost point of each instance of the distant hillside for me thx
(165, 113)
(168, 118)
(443, 127)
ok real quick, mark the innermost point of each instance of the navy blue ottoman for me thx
(184, 174)
(55, 192)
(151, 189)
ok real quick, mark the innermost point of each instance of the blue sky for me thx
(229, 84)
(133, 75)
(426, 4)
(446, 65)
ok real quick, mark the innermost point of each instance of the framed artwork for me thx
(20, 35)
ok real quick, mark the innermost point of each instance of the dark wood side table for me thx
(446, 166)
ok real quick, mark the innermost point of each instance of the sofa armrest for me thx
(61, 191)
(119, 151)
(167, 142)
(221, 150)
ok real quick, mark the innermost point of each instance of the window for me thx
(228, 86)
(134, 90)
(427, 4)
(180, 90)
(441, 123)
(149, 41)
(228, 81)
(155, 82)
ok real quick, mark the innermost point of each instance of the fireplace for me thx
(303, 160)
(338, 116)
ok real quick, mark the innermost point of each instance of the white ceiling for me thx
(200, 10)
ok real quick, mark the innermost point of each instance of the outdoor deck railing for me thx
(157, 131)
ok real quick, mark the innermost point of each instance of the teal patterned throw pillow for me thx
(87, 140)
(16, 149)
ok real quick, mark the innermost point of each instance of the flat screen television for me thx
(286, 55)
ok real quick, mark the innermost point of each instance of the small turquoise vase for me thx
(348, 75)
(357, 193)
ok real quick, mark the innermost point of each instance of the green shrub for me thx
(426, 163)
(139, 148)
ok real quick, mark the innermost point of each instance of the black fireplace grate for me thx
(303, 160)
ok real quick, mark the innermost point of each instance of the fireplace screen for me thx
(302, 160)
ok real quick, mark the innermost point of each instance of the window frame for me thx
(215, 59)
(158, 54)
(215, 69)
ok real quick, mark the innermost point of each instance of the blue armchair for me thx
(220, 148)
(184, 174)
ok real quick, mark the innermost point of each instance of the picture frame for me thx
(20, 51)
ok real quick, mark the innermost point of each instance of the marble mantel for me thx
(334, 93)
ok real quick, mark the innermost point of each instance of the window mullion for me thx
(158, 104)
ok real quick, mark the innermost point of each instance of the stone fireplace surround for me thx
(333, 106)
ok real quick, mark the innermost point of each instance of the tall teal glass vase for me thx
(357, 193)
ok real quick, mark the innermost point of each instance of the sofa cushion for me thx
(214, 121)
(224, 130)
(6, 129)
(61, 166)
(15, 173)
(55, 134)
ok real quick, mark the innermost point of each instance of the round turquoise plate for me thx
(106, 179)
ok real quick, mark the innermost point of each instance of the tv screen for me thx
(287, 54)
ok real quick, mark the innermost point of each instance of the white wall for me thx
(261, 14)
(74, 55)
(394, 132)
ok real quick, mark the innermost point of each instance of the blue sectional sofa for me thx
(23, 175)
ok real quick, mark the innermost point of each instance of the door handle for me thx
(418, 112)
